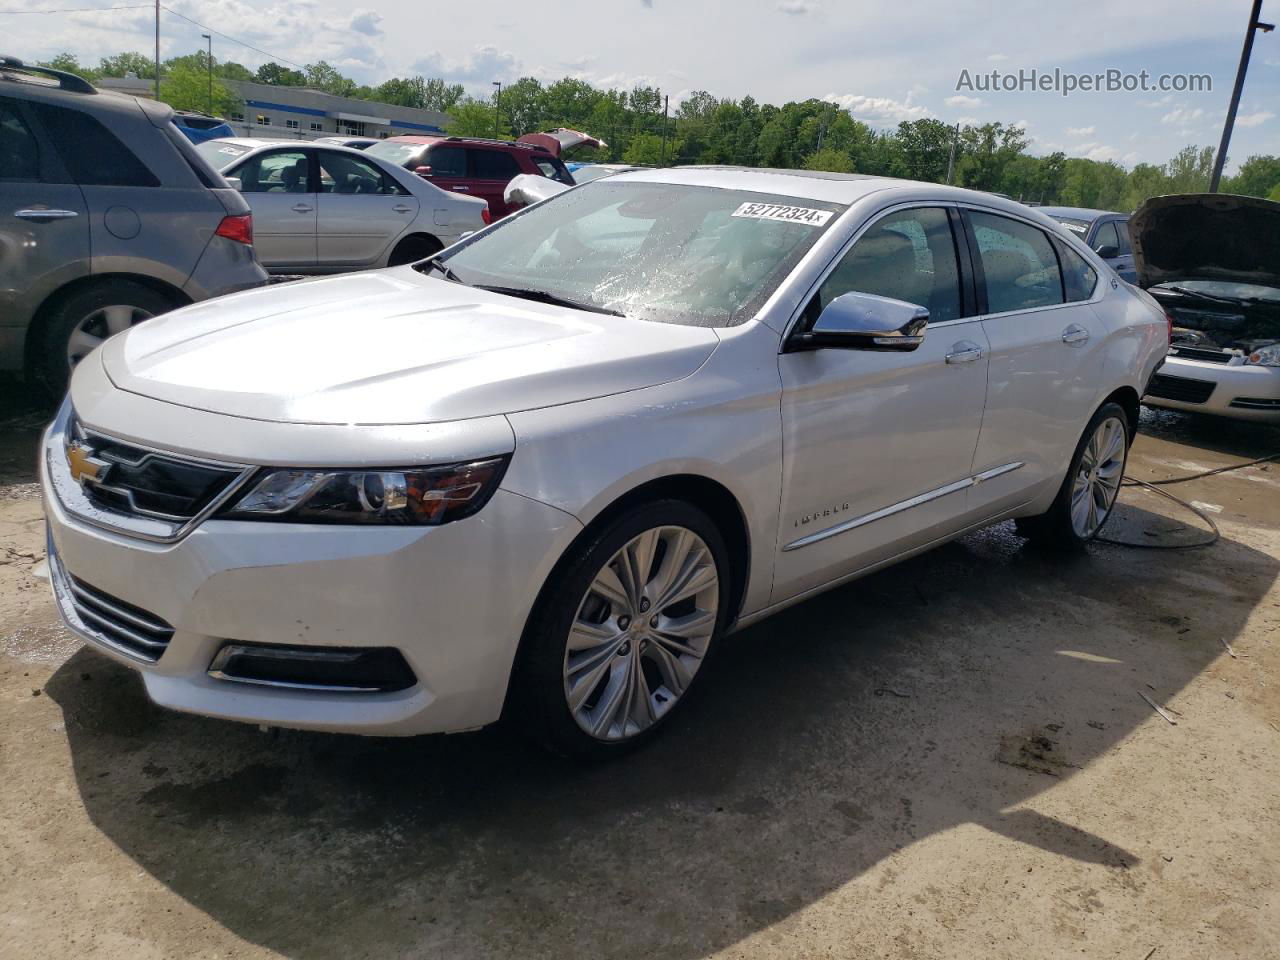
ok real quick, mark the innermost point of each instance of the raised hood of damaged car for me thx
(1208, 236)
(392, 347)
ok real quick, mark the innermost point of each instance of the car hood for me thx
(529, 188)
(1207, 236)
(392, 347)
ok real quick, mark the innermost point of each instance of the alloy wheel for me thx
(1097, 479)
(100, 324)
(641, 632)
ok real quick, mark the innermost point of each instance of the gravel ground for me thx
(952, 758)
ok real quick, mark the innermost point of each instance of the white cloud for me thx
(960, 100)
(797, 8)
(1130, 158)
(366, 22)
(1081, 131)
(483, 65)
(968, 121)
(1154, 104)
(1183, 116)
(879, 109)
(1256, 119)
(996, 57)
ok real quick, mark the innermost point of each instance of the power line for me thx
(130, 6)
(204, 26)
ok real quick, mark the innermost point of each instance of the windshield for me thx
(397, 153)
(219, 154)
(675, 253)
(1076, 226)
(1225, 289)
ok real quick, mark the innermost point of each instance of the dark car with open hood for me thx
(1213, 262)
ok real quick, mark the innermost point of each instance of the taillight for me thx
(1169, 317)
(238, 228)
(485, 215)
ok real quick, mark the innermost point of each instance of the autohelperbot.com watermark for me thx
(1065, 82)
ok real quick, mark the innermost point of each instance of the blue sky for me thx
(884, 62)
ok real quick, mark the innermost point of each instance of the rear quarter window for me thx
(92, 154)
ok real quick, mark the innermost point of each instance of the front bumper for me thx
(452, 599)
(1243, 391)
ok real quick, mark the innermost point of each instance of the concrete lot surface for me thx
(948, 759)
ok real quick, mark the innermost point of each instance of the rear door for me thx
(44, 226)
(491, 170)
(449, 168)
(1046, 355)
(362, 211)
(279, 185)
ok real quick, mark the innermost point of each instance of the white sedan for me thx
(322, 208)
(551, 469)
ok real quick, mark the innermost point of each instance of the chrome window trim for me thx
(903, 505)
(73, 499)
(798, 312)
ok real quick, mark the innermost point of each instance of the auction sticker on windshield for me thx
(778, 211)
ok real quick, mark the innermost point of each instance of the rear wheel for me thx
(624, 631)
(1088, 493)
(83, 320)
(413, 249)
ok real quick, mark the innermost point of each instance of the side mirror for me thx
(863, 321)
(422, 171)
(234, 183)
(1107, 251)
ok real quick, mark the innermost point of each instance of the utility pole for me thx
(157, 49)
(497, 121)
(209, 64)
(1254, 25)
(662, 157)
(951, 159)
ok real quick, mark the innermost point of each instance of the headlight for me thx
(431, 495)
(1268, 356)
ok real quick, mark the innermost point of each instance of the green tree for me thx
(830, 159)
(1256, 177)
(1274, 194)
(187, 88)
(475, 118)
(1190, 169)
(69, 64)
(440, 96)
(645, 149)
(122, 64)
(324, 76)
(230, 70)
(773, 145)
(273, 73)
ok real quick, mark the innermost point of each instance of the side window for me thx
(279, 171)
(1106, 236)
(19, 153)
(93, 155)
(1077, 276)
(493, 165)
(1122, 228)
(1018, 262)
(908, 256)
(554, 170)
(446, 161)
(340, 173)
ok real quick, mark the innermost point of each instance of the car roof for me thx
(1080, 213)
(412, 138)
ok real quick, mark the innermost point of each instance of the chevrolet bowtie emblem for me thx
(84, 465)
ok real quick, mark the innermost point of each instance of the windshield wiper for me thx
(546, 296)
(1200, 295)
(434, 264)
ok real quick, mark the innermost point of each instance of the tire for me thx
(625, 677)
(1062, 526)
(413, 249)
(87, 317)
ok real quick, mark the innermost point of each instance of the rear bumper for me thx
(1242, 392)
(226, 266)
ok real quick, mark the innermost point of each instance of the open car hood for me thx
(529, 188)
(561, 139)
(1207, 236)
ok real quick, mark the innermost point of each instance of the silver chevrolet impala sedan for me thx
(548, 471)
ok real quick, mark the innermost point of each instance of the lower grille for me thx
(1256, 403)
(1207, 354)
(1182, 389)
(116, 623)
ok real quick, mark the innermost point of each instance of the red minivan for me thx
(483, 168)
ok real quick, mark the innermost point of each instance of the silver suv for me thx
(108, 216)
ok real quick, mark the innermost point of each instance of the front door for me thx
(362, 211)
(878, 446)
(491, 171)
(1047, 354)
(279, 187)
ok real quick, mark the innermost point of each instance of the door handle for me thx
(302, 208)
(401, 208)
(460, 188)
(965, 351)
(39, 215)
(1074, 334)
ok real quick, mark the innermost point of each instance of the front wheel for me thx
(1088, 493)
(624, 630)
